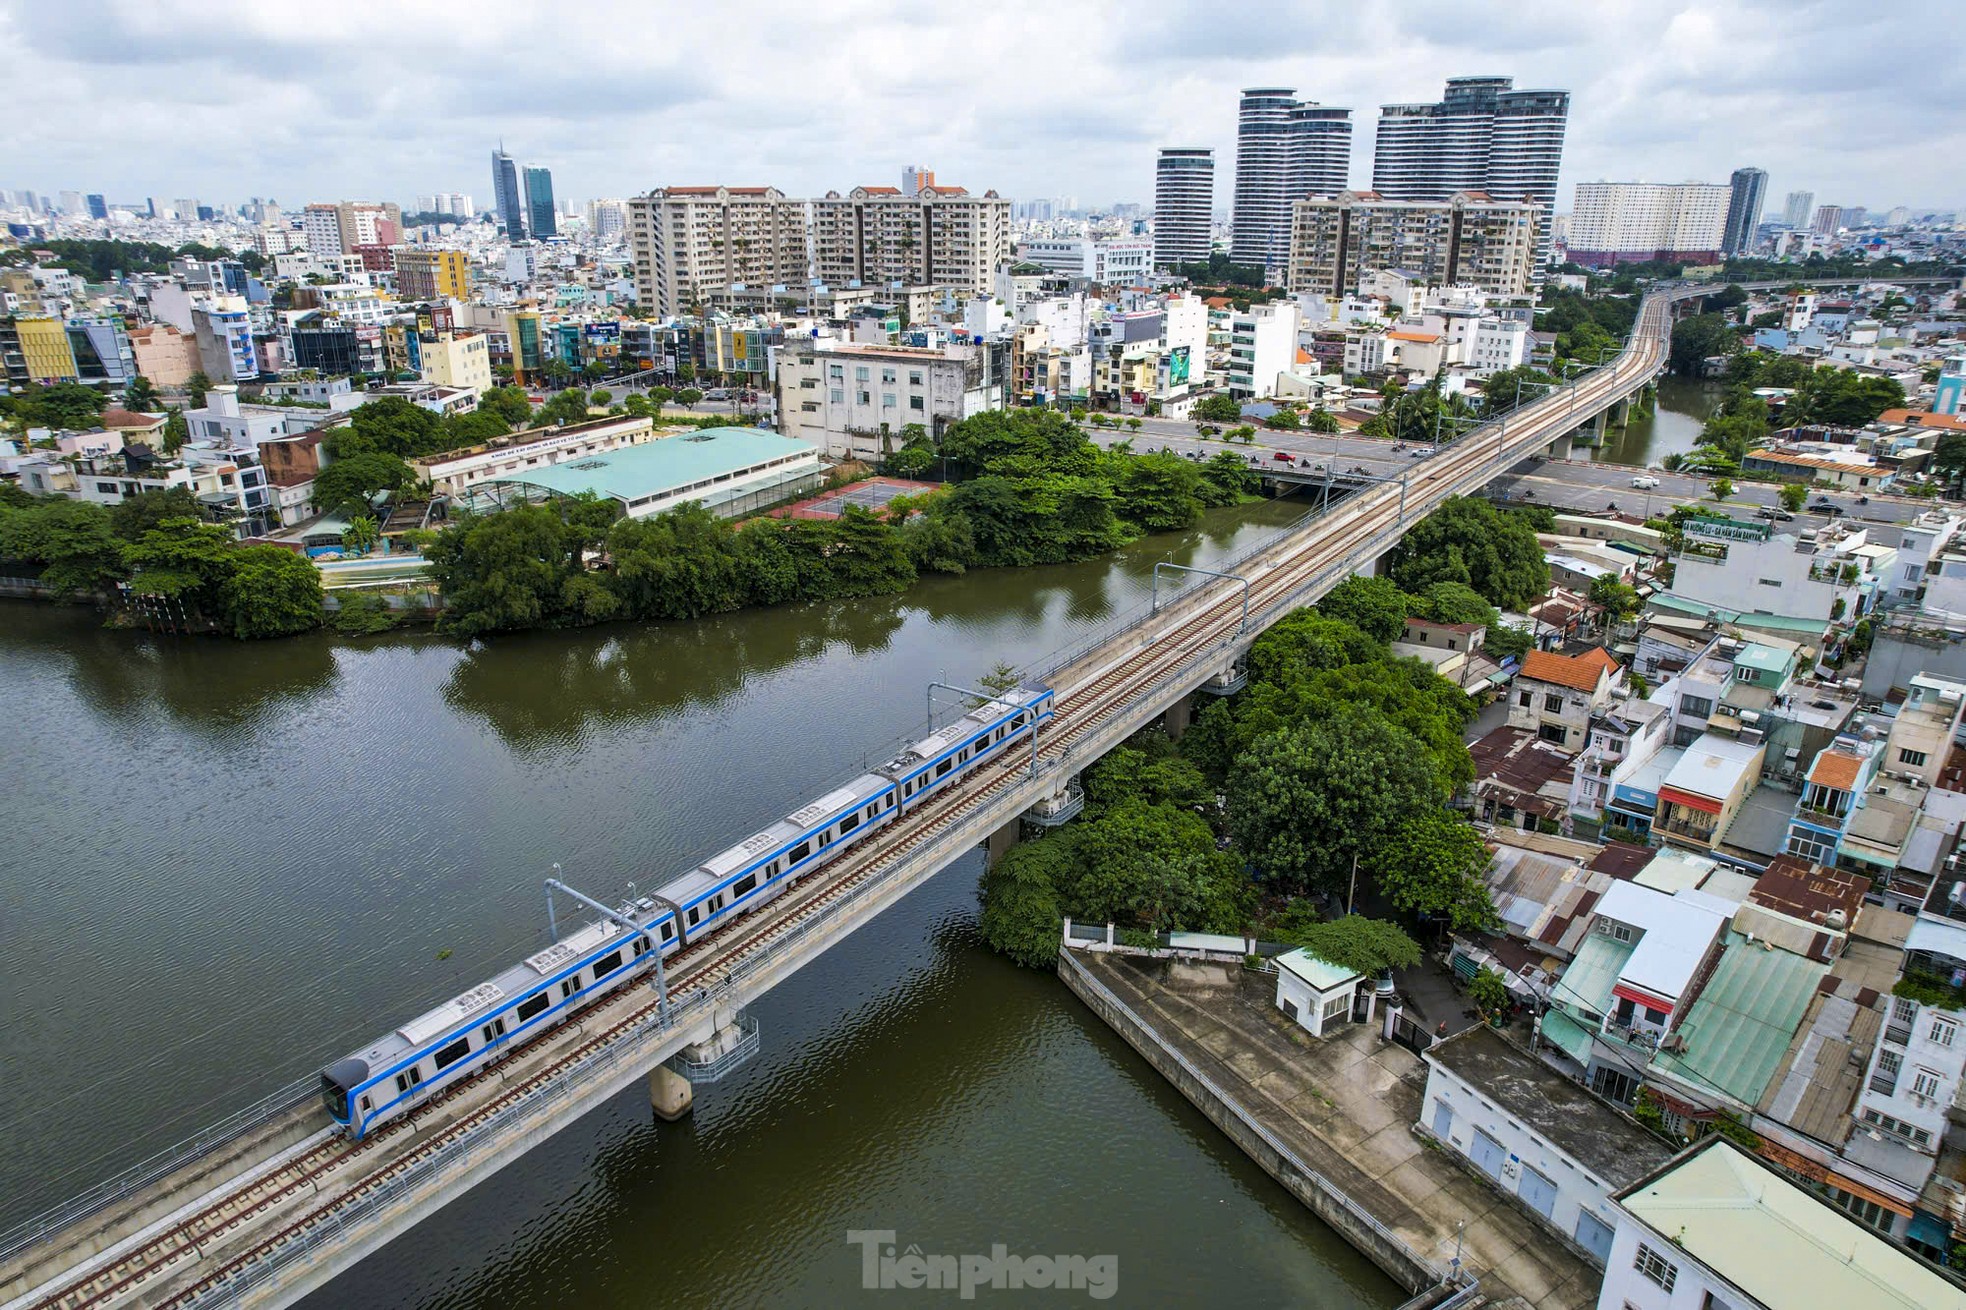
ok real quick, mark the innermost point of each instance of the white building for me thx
(1497, 344)
(455, 471)
(1536, 1134)
(1262, 344)
(1716, 1229)
(1744, 568)
(1633, 222)
(852, 401)
(1314, 993)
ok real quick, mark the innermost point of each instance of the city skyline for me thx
(259, 104)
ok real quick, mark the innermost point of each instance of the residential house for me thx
(1555, 696)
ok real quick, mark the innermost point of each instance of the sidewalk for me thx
(1346, 1106)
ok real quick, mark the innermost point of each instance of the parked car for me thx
(1645, 482)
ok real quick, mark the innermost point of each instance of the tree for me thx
(1614, 597)
(1158, 492)
(1467, 540)
(176, 432)
(139, 395)
(688, 396)
(473, 429)
(1489, 993)
(1020, 915)
(601, 396)
(350, 485)
(1794, 495)
(361, 535)
(563, 409)
(510, 404)
(1721, 489)
(1303, 802)
(503, 571)
(1434, 866)
(1453, 602)
(1370, 946)
(63, 405)
(185, 560)
(391, 425)
(196, 387)
(1227, 478)
(271, 592)
(1217, 409)
(1375, 606)
(137, 514)
(71, 540)
(1949, 457)
(1284, 420)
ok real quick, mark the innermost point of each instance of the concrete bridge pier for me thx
(998, 844)
(669, 1093)
(1178, 716)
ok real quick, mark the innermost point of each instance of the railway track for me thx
(1090, 694)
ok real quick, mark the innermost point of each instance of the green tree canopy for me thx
(390, 425)
(185, 560)
(73, 542)
(1303, 802)
(1433, 865)
(1469, 541)
(271, 592)
(510, 404)
(1375, 606)
(1370, 946)
(350, 484)
(1218, 408)
(138, 514)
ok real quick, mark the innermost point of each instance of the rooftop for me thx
(1320, 973)
(1817, 1081)
(1776, 1242)
(1580, 672)
(653, 467)
(1713, 766)
(1610, 1145)
(1677, 931)
(1739, 1029)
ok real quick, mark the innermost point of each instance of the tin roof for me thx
(1739, 1029)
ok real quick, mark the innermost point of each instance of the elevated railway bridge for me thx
(274, 1202)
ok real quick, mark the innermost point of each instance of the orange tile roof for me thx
(127, 418)
(1580, 672)
(1413, 336)
(1923, 419)
(1835, 769)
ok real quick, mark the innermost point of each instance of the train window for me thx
(944, 767)
(875, 808)
(532, 1005)
(366, 1105)
(641, 947)
(606, 965)
(494, 1030)
(451, 1054)
(668, 929)
(695, 913)
(802, 850)
(570, 986)
(890, 800)
(849, 823)
(743, 886)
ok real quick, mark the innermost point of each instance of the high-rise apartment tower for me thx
(1184, 203)
(1286, 149)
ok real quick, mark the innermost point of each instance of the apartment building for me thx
(1285, 148)
(940, 236)
(426, 274)
(1184, 205)
(852, 400)
(457, 359)
(1469, 239)
(1638, 222)
(1482, 135)
(693, 244)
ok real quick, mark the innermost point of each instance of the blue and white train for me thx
(397, 1071)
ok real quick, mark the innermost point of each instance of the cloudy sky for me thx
(222, 99)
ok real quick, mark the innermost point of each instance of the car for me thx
(1645, 482)
(1773, 514)
(1283, 455)
(716, 393)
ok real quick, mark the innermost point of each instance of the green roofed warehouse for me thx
(730, 470)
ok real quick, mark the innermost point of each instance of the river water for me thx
(227, 863)
(1673, 428)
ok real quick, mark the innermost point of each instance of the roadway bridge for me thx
(272, 1204)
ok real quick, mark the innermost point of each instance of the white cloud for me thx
(387, 98)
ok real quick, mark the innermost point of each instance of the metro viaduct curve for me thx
(273, 1204)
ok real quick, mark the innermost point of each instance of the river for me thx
(228, 863)
(1673, 428)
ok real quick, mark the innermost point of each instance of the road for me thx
(1344, 452)
(1577, 485)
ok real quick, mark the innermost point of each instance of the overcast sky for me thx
(1860, 103)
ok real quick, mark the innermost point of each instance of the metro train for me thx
(408, 1065)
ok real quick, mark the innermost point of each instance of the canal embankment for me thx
(1332, 1121)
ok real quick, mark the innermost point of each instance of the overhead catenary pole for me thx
(634, 930)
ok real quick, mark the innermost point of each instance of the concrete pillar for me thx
(1388, 1017)
(670, 1093)
(1178, 716)
(1002, 840)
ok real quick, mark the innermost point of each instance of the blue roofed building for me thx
(730, 471)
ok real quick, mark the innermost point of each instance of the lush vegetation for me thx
(100, 260)
(1469, 541)
(1220, 271)
(156, 543)
(1834, 397)
(1033, 490)
(63, 405)
(1338, 757)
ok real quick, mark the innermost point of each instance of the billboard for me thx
(1177, 366)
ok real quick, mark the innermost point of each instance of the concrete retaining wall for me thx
(1404, 1265)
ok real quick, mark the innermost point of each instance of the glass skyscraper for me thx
(505, 187)
(539, 203)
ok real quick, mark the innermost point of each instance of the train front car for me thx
(338, 1082)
